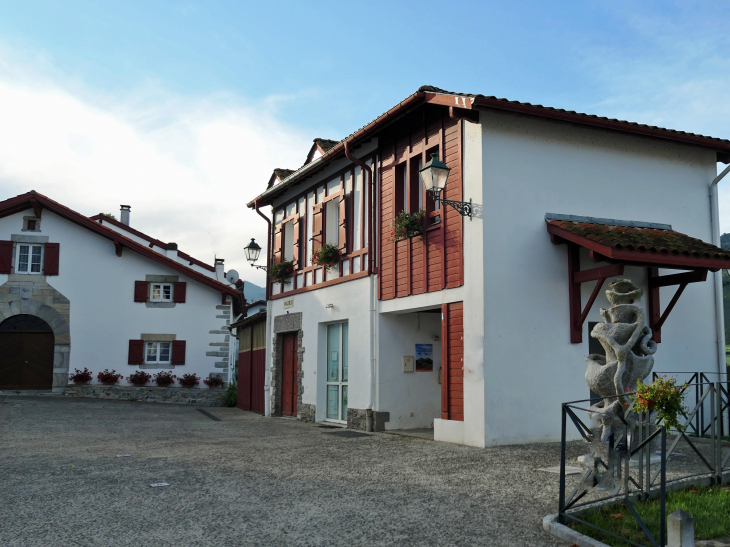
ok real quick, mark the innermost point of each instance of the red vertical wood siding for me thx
(432, 261)
(244, 380)
(251, 380)
(452, 361)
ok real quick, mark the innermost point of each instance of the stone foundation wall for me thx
(357, 419)
(306, 412)
(149, 394)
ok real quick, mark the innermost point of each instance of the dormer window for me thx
(160, 292)
(29, 259)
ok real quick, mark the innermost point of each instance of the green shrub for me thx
(230, 396)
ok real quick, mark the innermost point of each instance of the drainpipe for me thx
(719, 319)
(269, 234)
(366, 169)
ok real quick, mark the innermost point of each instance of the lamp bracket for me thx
(464, 208)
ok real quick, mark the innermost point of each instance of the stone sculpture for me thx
(629, 348)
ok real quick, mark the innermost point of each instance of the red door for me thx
(452, 361)
(289, 375)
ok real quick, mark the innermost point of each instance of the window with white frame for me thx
(160, 292)
(158, 352)
(29, 258)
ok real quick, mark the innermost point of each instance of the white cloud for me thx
(675, 74)
(187, 166)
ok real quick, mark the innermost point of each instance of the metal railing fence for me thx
(623, 469)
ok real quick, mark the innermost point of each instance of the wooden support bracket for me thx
(576, 277)
(118, 247)
(37, 207)
(656, 318)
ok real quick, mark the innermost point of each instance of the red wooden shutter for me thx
(178, 352)
(179, 292)
(278, 255)
(50, 259)
(297, 230)
(6, 257)
(136, 352)
(141, 291)
(343, 224)
(317, 228)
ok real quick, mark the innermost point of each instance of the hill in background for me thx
(253, 292)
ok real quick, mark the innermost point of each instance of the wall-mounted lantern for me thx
(253, 250)
(434, 176)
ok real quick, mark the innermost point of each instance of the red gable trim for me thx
(23, 202)
(103, 218)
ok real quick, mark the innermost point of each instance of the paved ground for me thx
(248, 480)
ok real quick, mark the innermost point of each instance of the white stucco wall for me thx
(103, 314)
(530, 167)
(401, 393)
(350, 303)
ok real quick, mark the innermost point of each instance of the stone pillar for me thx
(680, 529)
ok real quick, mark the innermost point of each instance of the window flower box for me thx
(327, 256)
(407, 225)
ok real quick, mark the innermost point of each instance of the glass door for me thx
(337, 372)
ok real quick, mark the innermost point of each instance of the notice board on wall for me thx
(424, 357)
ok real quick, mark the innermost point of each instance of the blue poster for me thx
(424, 357)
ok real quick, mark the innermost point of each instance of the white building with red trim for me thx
(91, 292)
(499, 304)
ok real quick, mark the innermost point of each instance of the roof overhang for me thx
(630, 243)
(683, 254)
(38, 202)
(467, 102)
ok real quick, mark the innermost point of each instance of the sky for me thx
(183, 109)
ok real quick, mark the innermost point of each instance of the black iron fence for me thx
(639, 458)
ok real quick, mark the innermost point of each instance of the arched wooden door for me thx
(26, 353)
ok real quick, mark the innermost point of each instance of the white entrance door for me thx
(337, 372)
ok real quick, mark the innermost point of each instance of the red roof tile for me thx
(641, 245)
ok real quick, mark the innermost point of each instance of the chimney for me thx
(219, 274)
(171, 250)
(124, 214)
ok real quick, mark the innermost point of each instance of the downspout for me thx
(269, 244)
(366, 169)
(719, 307)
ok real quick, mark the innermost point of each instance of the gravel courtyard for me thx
(249, 480)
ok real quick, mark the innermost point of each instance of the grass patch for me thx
(708, 506)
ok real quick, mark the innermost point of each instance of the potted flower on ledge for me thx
(164, 378)
(139, 378)
(407, 225)
(664, 396)
(327, 256)
(189, 380)
(214, 381)
(81, 377)
(282, 271)
(109, 378)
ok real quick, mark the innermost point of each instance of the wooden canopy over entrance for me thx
(629, 243)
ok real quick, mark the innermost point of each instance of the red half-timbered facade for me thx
(431, 261)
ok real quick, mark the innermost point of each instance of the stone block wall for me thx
(148, 394)
(29, 294)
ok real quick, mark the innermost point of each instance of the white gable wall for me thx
(530, 167)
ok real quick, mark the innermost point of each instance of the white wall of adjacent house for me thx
(522, 364)
(349, 302)
(103, 315)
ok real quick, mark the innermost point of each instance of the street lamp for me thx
(253, 250)
(434, 176)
